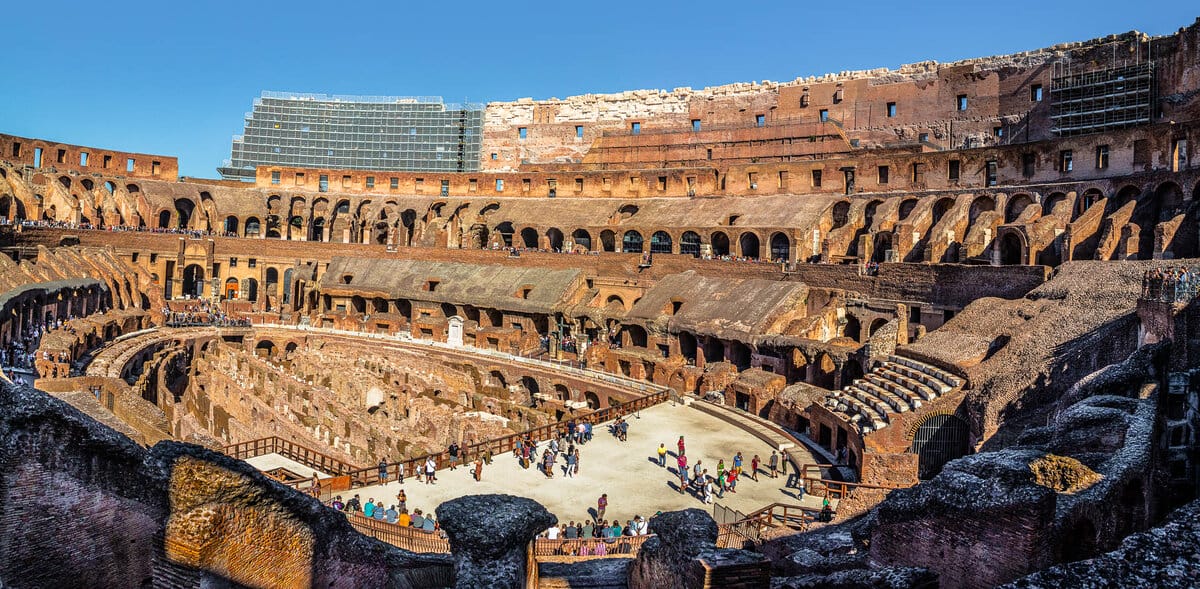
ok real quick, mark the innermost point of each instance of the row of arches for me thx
(660, 242)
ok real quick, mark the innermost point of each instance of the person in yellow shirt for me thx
(404, 519)
(662, 455)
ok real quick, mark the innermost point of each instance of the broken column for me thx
(490, 535)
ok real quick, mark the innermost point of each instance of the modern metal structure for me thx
(390, 133)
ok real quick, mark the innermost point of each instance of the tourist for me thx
(601, 505)
(380, 513)
(552, 533)
(517, 448)
(731, 478)
(315, 486)
(402, 500)
(430, 471)
(419, 470)
(587, 433)
(683, 478)
(418, 521)
(392, 515)
(478, 469)
(382, 471)
(404, 519)
(548, 464)
(662, 455)
(369, 508)
(337, 503)
(737, 460)
(600, 549)
(571, 532)
(754, 462)
(640, 526)
(572, 459)
(773, 464)
(576, 455)
(589, 530)
(708, 490)
(453, 451)
(354, 504)
(697, 471)
(400, 472)
(721, 469)
(681, 446)
(430, 524)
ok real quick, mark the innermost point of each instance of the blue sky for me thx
(176, 77)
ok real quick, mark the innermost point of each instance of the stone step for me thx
(869, 413)
(893, 401)
(941, 387)
(909, 398)
(922, 390)
(934, 371)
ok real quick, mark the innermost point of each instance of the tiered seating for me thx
(897, 385)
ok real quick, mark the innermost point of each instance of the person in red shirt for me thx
(754, 462)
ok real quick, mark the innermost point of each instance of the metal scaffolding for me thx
(391, 133)
(1104, 99)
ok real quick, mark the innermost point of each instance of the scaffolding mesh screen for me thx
(1100, 100)
(393, 133)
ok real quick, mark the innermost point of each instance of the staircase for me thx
(898, 385)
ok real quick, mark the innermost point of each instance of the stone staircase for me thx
(897, 385)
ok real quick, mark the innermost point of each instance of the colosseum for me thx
(932, 326)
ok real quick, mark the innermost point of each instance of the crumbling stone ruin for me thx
(977, 309)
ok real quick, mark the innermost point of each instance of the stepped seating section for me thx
(897, 385)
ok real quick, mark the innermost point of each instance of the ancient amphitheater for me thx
(956, 301)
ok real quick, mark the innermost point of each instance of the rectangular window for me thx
(962, 101)
(662, 182)
(923, 137)
(299, 178)
(1101, 157)
(275, 177)
(1035, 93)
(394, 183)
(883, 174)
(708, 153)
(1028, 164)
(107, 162)
(579, 185)
(695, 125)
(918, 174)
(816, 178)
(635, 128)
(233, 262)
(495, 156)
(824, 115)
(522, 132)
(499, 185)
(955, 169)
(1141, 152)
(370, 182)
(1065, 161)
(418, 184)
(760, 120)
(346, 181)
(998, 131)
(37, 157)
(472, 185)
(16, 150)
(752, 178)
(1179, 155)
(155, 167)
(323, 183)
(129, 165)
(579, 131)
(783, 178)
(990, 177)
(526, 184)
(445, 188)
(83, 157)
(891, 109)
(62, 156)
(253, 262)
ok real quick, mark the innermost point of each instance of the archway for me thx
(748, 245)
(840, 214)
(185, 208)
(529, 238)
(906, 208)
(1016, 206)
(635, 336)
(193, 281)
(660, 243)
(938, 440)
(555, 238)
(608, 241)
(1012, 251)
(253, 227)
(876, 325)
(981, 205)
(631, 243)
(582, 239)
(505, 230)
(251, 293)
(593, 400)
(231, 225)
(1089, 198)
(852, 329)
(780, 248)
(164, 219)
(689, 244)
(941, 207)
(231, 288)
(720, 243)
(317, 233)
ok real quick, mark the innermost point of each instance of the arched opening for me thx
(498, 379)
(748, 245)
(251, 293)
(689, 244)
(531, 385)
(253, 227)
(720, 243)
(906, 208)
(714, 350)
(273, 227)
(265, 349)
(608, 241)
(941, 207)
(869, 213)
(272, 281)
(593, 400)
(555, 239)
(582, 239)
(635, 336)
(841, 214)
(980, 206)
(185, 208)
(1012, 251)
(317, 232)
(876, 325)
(164, 220)
(193, 281)
(231, 288)
(562, 393)
(631, 243)
(780, 248)
(1125, 196)
(529, 238)
(687, 346)
(1017, 205)
(231, 225)
(883, 244)
(1090, 197)
(660, 243)
(938, 440)
(852, 329)
(505, 230)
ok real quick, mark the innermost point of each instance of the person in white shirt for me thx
(552, 532)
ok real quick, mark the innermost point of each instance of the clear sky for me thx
(175, 77)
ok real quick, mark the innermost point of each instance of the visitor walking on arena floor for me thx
(662, 455)
(754, 462)
(453, 451)
(681, 446)
(382, 471)
(400, 472)
(773, 463)
(430, 471)
(601, 505)
(402, 500)
(478, 469)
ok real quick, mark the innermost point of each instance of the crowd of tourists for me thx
(22, 353)
(394, 513)
(45, 224)
(1173, 284)
(202, 312)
